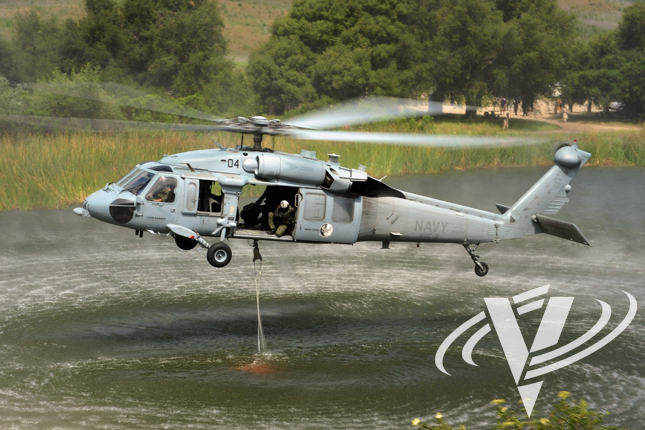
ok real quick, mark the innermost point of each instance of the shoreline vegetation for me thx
(50, 171)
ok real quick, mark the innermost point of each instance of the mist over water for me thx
(101, 329)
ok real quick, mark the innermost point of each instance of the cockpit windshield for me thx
(127, 177)
(138, 182)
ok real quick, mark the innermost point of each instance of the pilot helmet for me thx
(284, 204)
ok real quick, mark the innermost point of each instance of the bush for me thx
(566, 414)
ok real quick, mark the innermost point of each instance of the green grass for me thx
(57, 170)
(62, 8)
(612, 118)
(594, 16)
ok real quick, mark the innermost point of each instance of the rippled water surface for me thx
(101, 329)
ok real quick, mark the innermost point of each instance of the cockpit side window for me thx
(138, 183)
(163, 190)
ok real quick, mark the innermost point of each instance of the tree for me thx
(332, 50)
(177, 46)
(631, 40)
(100, 39)
(166, 46)
(461, 57)
(536, 49)
(612, 68)
(468, 49)
(35, 48)
(81, 96)
(281, 74)
(11, 99)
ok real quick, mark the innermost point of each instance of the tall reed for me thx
(57, 170)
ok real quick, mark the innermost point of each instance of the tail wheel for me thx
(481, 269)
(219, 254)
(185, 243)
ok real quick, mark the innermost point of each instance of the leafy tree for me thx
(35, 48)
(469, 49)
(461, 56)
(536, 50)
(333, 50)
(280, 73)
(11, 99)
(100, 38)
(6, 59)
(83, 99)
(167, 46)
(572, 86)
(630, 30)
(631, 40)
(612, 68)
(177, 45)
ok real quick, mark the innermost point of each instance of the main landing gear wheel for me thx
(219, 254)
(481, 269)
(185, 243)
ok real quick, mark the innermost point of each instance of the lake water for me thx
(101, 329)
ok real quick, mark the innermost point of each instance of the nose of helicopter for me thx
(105, 206)
(97, 205)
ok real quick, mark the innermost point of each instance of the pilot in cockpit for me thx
(163, 191)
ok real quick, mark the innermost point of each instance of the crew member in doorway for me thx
(281, 220)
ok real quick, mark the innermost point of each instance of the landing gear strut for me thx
(481, 268)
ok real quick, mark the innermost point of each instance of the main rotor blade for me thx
(106, 125)
(365, 110)
(433, 140)
(121, 95)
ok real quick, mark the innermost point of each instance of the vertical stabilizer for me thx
(548, 195)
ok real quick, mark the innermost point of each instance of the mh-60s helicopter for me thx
(333, 204)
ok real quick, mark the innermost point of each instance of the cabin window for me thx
(191, 196)
(343, 209)
(163, 190)
(315, 207)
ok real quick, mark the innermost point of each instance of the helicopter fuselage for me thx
(175, 196)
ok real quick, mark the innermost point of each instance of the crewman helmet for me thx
(284, 204)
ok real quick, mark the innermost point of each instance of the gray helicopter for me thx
(331, 203)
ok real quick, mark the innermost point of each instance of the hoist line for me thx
(258, 275)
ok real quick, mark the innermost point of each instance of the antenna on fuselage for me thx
(223, 148)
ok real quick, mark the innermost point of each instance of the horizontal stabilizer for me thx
(502, 208)
(561, 229)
